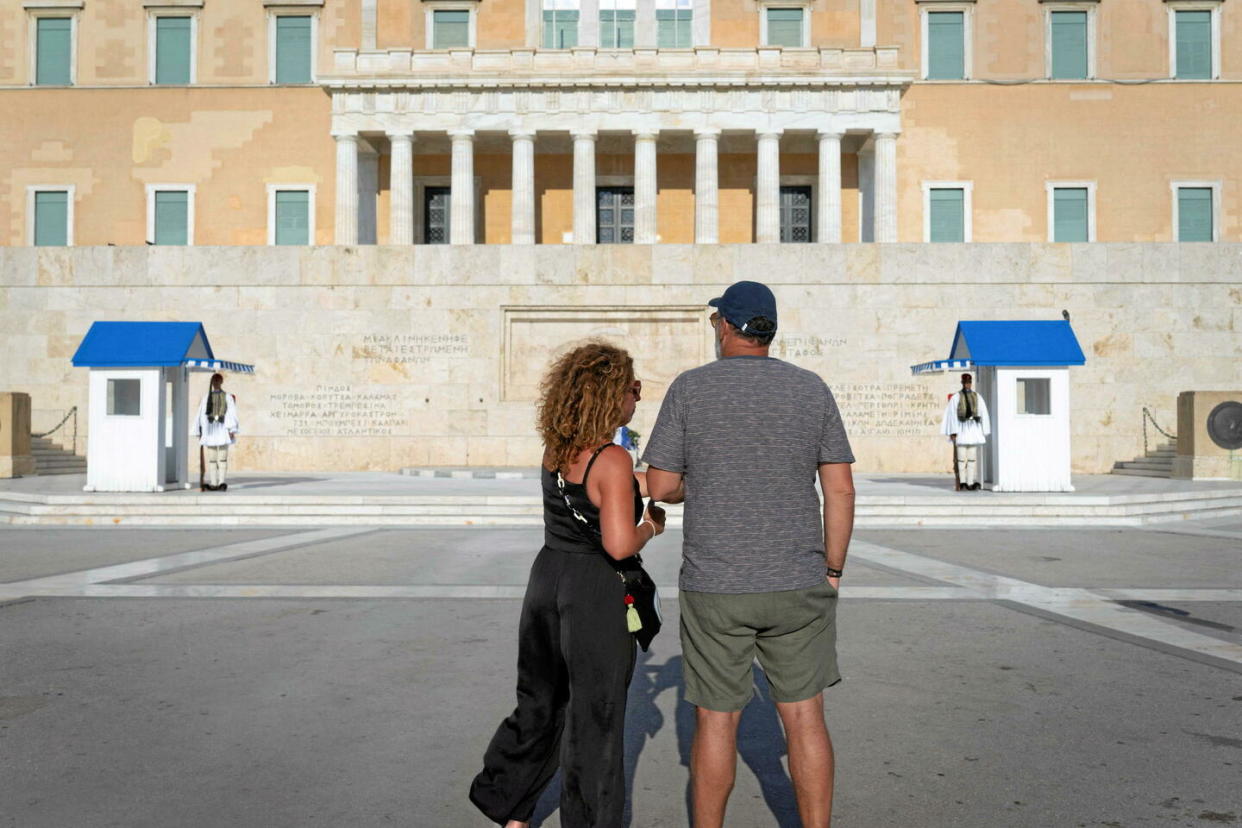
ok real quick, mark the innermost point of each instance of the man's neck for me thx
(736, 349)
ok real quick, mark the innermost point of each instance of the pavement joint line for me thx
(1088, 606)
(1195, 530)
(185, 560)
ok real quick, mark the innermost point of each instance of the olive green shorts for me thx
(793, 634)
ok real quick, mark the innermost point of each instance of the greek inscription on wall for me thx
(891, 409)
(792, 346)
(411, 349)
(338, 411)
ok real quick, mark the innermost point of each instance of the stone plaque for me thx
(339, 411)
(664, 341)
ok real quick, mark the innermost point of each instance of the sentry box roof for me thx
(1015, 343)
(150, 345)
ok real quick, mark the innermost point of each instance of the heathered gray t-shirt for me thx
(749, 434)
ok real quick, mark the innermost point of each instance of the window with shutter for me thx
(673, 24)
(293, 49)
(1070, 214)
(785, 27)
(51, 218)
(292, 217)
(1069, 44)
(173, 50)
(1194, 214)
(1194, 45)
(451, 29)
(172, 214)
(53, 56)
(947, 219)
(946, 45)
(560, 24)
(616, 28)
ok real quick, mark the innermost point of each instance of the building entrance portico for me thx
(645, 120)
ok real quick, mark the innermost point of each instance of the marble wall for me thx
(383, 357)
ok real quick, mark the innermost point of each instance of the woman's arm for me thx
(611, 488)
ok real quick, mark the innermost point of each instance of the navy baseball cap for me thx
(743, 301)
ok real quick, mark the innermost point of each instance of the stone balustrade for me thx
(590, 65)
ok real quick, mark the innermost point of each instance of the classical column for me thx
(523, 231)
(768, 188)
(886, 187)
(828, 226)
(706, 186)
(401, 183)
(346, 188)
(584, 187)
(461, 192)
(645, 187)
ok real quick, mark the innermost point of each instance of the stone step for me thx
(1152, 465)
(1141, 472)
(195, 509)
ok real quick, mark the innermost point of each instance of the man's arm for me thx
(837, 482)
(665, 486)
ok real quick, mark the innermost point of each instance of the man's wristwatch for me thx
(834, 573)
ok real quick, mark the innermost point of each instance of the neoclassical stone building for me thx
(644, 121)
(403, 206)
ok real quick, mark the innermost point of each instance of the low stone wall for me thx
(383, 357)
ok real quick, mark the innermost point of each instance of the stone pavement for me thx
(352, 675)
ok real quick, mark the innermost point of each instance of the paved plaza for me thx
(352, 675)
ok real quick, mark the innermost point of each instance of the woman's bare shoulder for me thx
(614, 461)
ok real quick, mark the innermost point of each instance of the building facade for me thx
(405, 206)
(225, 122)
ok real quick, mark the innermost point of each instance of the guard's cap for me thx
(743, 302)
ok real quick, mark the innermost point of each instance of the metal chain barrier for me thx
(1147, 416)
(71, 412)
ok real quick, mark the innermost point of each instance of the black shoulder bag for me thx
(642, 598)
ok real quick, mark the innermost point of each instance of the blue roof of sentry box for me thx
(142, 344)
(1025, 342)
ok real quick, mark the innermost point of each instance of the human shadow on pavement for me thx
(760, 741)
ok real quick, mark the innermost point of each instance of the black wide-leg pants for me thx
(575, 661)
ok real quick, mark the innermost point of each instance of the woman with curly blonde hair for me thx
(575, 654)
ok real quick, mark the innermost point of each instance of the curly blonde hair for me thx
(581, 399)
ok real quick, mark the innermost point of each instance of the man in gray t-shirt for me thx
(742, 441)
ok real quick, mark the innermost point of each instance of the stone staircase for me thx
(1158, 462)
(51, 458)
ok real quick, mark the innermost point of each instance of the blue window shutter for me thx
(51, 219)
(616, 28)
(293, 49)
(946, 44)
(948, 214)
(1069, 214)
(1194, 44)
(785, 27)
(172, 214)
(1069, 44)
(292, 217)
(54, 42)
(172, 50)
(452, 28)
(1194, 214)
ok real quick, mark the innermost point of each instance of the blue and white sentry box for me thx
(1022, 370)
(138, 436)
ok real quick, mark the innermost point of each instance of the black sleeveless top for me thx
(564, 532)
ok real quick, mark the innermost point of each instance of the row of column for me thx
(706, 187)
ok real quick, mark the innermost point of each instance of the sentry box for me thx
(1022, 371)
(138, 438)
